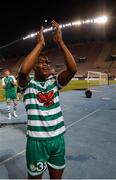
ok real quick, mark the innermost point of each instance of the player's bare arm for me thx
(30, 60)
(3, 84)
(71, 67)
(14, 82)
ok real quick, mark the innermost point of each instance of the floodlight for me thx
(48, 29)
(76, 23)
(101, 20)
(87, 21)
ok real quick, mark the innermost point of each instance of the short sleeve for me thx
(3, 83)
(58, 84)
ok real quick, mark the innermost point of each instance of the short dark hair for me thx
(44, 56)
(6, 70)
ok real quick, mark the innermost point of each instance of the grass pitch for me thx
(73, 84)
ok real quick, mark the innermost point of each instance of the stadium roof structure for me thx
(71, 34)
(18, 19)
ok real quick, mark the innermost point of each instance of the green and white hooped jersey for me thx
(7, 81)
(43, 109)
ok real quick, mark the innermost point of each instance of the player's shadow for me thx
(81, 157)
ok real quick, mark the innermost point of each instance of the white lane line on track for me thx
(12, 157)
(88, 115)
(70, 125)
(21, 152)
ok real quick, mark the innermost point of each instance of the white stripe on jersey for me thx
(45, 123)
(44, 112)
(46, 134)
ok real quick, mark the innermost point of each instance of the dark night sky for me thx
(19, 18)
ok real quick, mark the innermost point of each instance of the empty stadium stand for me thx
(97, 55)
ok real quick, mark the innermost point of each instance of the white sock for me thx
(8, 109)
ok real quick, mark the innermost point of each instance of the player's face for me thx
(42, 68)
(7, 73)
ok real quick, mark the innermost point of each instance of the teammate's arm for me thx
(30, 60)
(3, 83)
(13, 82)
(71, 67)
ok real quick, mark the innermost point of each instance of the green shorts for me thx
(40, 153)
(11, 95)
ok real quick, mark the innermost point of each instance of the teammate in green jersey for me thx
(45, 128)
(9, 83)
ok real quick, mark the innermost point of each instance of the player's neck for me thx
(40, 78)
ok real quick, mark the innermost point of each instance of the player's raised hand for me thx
(40, 37)
(57, 32)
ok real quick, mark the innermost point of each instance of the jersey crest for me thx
(46, 98)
